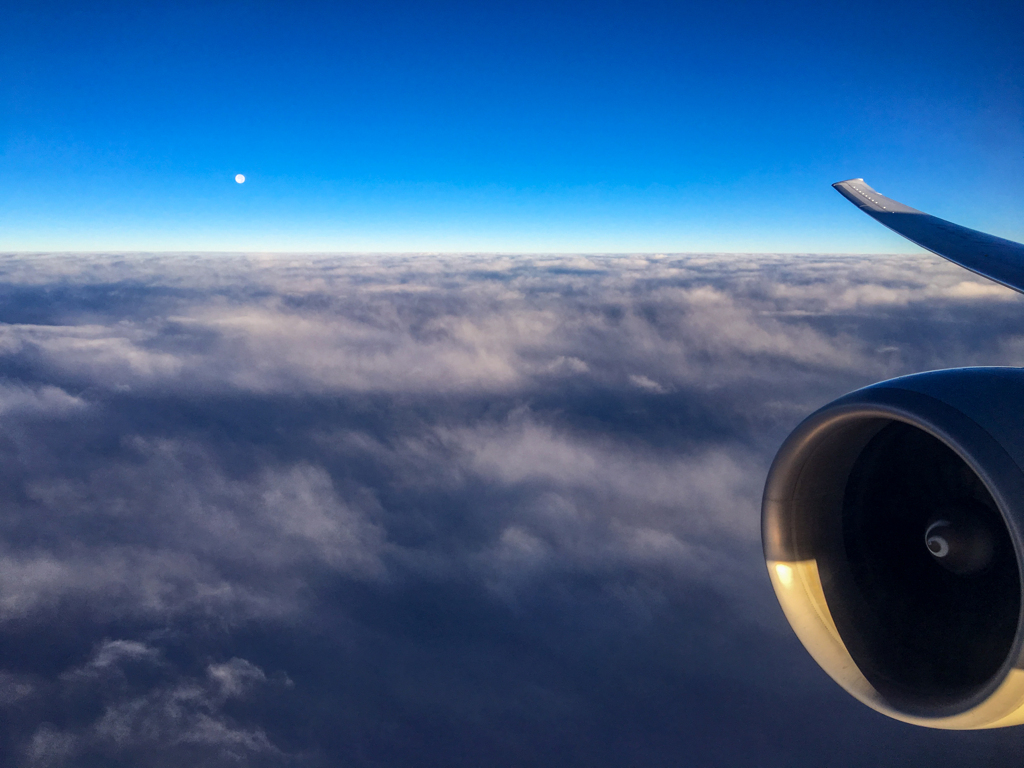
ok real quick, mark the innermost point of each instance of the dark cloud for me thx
(433, 510)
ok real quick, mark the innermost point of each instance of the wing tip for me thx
(870, 200)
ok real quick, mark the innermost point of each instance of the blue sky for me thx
(512, 127)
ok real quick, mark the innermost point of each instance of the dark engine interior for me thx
(922, 579)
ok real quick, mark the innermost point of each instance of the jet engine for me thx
(893, 530)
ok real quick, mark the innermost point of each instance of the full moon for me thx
(240, 178)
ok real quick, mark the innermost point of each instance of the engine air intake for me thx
(891, 525)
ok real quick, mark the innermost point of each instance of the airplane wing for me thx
(987, 255)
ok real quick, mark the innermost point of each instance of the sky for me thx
(527, 127)
(436, 511)
(441, 440)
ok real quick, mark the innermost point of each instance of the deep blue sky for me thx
(601, 126)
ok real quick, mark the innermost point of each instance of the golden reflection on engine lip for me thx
(784, 573)
(797, 585)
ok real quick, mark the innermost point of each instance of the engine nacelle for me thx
(893, 530)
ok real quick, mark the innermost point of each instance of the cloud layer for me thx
(434, 510)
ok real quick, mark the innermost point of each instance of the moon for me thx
(240, 178)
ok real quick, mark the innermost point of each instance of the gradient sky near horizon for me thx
(498, 126)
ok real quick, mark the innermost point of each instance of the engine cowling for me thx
(893, 530)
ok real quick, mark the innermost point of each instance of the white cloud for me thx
(182, 712)
(215, 452)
